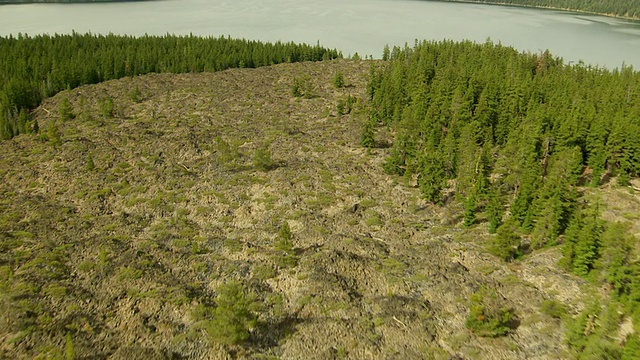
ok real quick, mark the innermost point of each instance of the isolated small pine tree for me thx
(505, 244)
(485, 318)
(53, 133)
(340, 107)
(285, 231)
(338, 80)
(235, 315)
(36, 126)
(135, 95)
(262, 159)
(65, 111)
(106, 108)
(90, 165)
(284, 246)
(225, 153)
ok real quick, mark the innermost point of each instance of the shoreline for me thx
(499, 3)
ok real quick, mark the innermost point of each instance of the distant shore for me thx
(516, 4)
(8, 2)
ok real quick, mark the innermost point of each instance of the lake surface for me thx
(362, 26)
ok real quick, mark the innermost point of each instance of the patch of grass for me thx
(434, 353)
(234, 245)
(459, 340)
(264, 272)
(321, 201)
(133, 201)
(367, 203)
(393, 266)
(486, 270)
(55, 290)
(200, 267)
(554, 308)
(86, 266)
(373, 218)
(128, 273)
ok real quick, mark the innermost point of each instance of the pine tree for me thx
(234, 316)
(431, 178)
(505, 243)
(64, 110)
(469, 211)
(494, 210)
(367, 139)
(338, 80)
(53, 133)
(583, 241)
(90, 166)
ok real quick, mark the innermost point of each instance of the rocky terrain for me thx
(117, 224)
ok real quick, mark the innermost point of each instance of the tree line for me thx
(622, 8)
(34, 68)
(515, 136)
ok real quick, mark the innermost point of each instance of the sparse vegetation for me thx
(101, 58)
(554, 308)
(118, 231)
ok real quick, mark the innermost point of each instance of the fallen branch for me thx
(399, 322)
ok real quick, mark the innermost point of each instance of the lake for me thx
(362, 26)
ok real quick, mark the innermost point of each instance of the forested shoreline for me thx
(516, 137)
(35, 68)
(625, 9)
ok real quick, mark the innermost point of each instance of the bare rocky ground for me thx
(116, 256)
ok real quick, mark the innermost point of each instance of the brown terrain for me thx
(110, 239)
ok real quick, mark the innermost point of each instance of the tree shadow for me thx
(382, 144)
(269, 334)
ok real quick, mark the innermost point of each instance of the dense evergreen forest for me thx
(516, 136)
(34, 68)
(622, 8)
